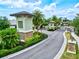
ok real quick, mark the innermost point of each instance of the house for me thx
(24, 24)
(12, 23)
(51, 24)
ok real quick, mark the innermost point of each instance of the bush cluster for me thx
(37, 37)
(53, 28)
(8, 38)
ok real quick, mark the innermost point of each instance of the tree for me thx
(76, 24)
(44, 23)
(54, 18)
(57, 20)
(65, 20)
(4, 23)
(37, 19)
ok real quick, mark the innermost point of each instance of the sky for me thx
(60, 8)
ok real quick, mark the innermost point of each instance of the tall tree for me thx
(76, 24)
(65, 19)
(45, 22)
(4, 23)
(37, 19)
(56, 20)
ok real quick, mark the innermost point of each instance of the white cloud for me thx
(50, 8)
(5, 1)
(38, 8)
(69, 11)
(77, 5)
(37, 3)
(47, 8)
(19, 3)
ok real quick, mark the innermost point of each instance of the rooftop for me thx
(21, 13)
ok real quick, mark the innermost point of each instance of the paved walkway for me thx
(47, 50)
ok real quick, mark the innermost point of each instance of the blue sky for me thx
(60, 8)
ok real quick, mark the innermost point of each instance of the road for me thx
(47, 50)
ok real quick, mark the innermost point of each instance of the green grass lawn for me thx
(77, 54)
(67, 55)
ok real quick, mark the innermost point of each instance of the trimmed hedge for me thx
(5, 52)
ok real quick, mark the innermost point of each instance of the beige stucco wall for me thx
(27, 24)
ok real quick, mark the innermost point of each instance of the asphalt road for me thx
(47, 50)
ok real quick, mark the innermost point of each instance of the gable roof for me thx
(21, 13)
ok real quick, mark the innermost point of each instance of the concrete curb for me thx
(24, 50)
(58, 56)
(75, 37)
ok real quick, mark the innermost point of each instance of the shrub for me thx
(57, 27)
(8, 38)
(5, 52)
(18, 48)
(42, 35)
(53, 28)
(32, 40)
(37, 37)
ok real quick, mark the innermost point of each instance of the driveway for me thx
(47, 50)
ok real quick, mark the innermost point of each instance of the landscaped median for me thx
(71, 49)
(9, 49)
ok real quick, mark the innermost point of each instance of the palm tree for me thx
(56, 20)
(37, 19)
